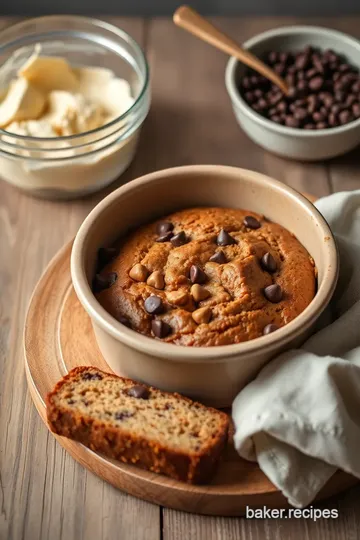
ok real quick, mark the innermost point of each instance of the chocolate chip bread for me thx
(162, 432)
(206, 276)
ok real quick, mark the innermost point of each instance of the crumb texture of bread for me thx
(137, 424)
(237, 309)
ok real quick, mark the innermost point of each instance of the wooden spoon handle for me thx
(188, 19)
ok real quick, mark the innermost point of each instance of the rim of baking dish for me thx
(172, 352)
(238, 101)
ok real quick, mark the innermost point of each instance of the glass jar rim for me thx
(102, 24)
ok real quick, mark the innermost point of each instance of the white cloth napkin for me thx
(300, 418)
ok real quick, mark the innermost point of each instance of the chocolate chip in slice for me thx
(154, 305)
(273, 293)
(164, 227)
(102, 282)
(218, 257)
(224, 238)
(91, 376)
(165, 237)
(179, 239)
(122, 415)
(139, 392)
(197, 275)
(251, 222)
(160, 328)
(105, 255)
(268, 263)
(269, 328)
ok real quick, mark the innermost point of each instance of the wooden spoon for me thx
(190, 20)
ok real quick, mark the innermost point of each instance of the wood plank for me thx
(44, 493)
(177, 525)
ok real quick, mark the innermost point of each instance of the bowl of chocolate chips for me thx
(319, 118)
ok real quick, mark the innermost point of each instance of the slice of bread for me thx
(128, 421)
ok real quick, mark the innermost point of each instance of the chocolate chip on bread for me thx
(138, 424)
(209, 276)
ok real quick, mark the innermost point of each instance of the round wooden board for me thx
(58, 336)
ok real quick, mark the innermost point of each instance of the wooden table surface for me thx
(44, 494)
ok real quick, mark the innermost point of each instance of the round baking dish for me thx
(213, 375)
(289, 142)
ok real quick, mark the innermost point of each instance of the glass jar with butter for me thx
(74, 93)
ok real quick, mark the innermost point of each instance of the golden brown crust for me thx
(239, 308)
(112, 441)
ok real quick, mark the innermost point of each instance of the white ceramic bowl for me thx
(285, 141)
(213, 375)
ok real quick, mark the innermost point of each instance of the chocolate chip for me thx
(160, 328)
(102, 282)
(251, 222)
(122, 415)
(301, 114)
(345, 117)
(246, 83)
(268, 263)
(218, 257)
(302, 61)
(164, 227)
(250, 97)
(290, 121)
(197, 275)
(179, 239)
(319, 116)
(311, 73)
(279, 68)
(71, 401)
(277, 118)
(282, 106)
(123, 320)
(274, 99)
(273, 293)
(269, 328)
(317, 80)
(91, 376)
(350, 100)
(356, 110)
(165, 237)
(273, 57)
(333, 120)
(224, 238)
(154, 305)
(105, 255)
(262, 104)
(316, 83)
(139, 392)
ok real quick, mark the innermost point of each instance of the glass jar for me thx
(71, 166)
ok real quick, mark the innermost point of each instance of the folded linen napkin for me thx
(300, 418)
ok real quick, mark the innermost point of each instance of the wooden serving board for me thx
(59, 336)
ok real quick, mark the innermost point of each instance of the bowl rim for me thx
(213, 354)
(240, 103)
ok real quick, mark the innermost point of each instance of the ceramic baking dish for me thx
(213, 375)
